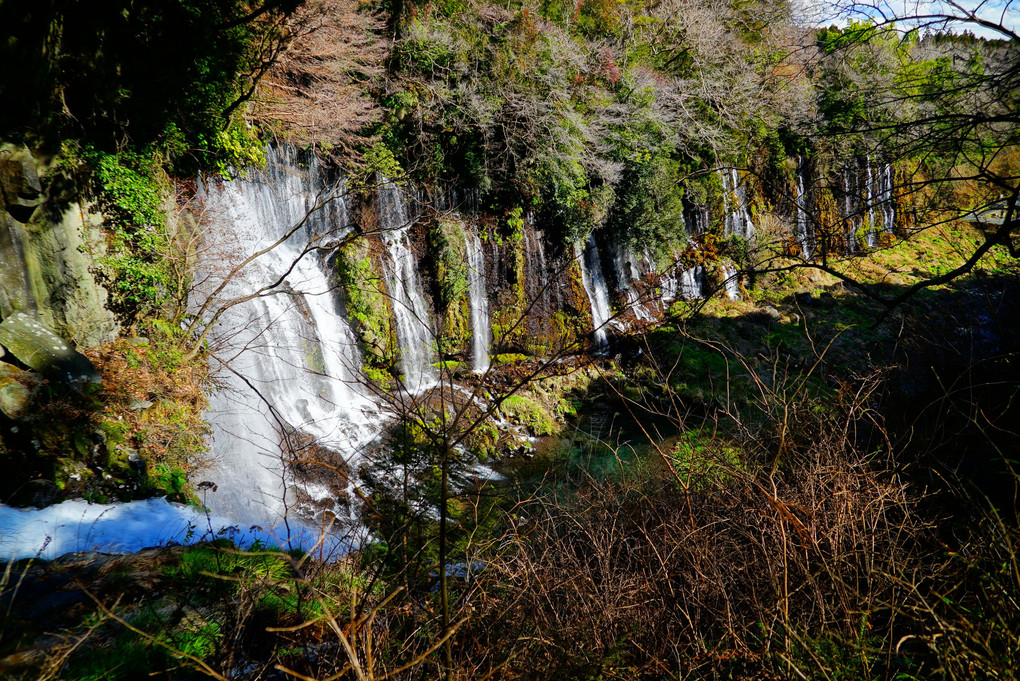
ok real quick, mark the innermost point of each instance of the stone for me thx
(46, 352)
(50, 241)
(15, 397)
(771, 312)
(60, 264)
(39, 493)
(135, 404)
(15, 293)
(19, 181)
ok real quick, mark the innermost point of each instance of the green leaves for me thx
(130, 189)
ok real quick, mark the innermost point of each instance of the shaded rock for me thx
(39, 493)
(19, 180)
(59, 260)
(45, 351)
(15, 293)
(14, 397)
(771, 312)
(15, 393)
(804, 298)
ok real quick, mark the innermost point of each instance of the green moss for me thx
(383, 378)
(447, 251)
(368, 306)
(508, 358)
(483, 441)
(701, 458)
(531, 413)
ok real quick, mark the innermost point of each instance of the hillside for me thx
(466, 340)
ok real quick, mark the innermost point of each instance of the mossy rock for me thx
(367, 303)
(530, 413)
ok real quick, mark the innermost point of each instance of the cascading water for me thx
(683, 283)
(871, 238)
(864, 190)
(886, 198)
(414, 329)
(731, 282)
(550, 289)
(736, 219)
(690, 282)
(478, 291)
(595, 286)
(801, 229)
(629, 272)
(288, 362)
(850, 212)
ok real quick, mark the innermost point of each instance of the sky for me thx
(1005, 13)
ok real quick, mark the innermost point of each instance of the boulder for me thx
(60, 260)
(45, 351)
(15, 396)
(49, 243)
(19, 181)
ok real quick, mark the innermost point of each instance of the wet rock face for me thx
(45, 351)
(46, 262)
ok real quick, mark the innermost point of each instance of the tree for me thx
(915, 89)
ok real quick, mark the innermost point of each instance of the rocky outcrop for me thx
(48, 238)
(45, 351)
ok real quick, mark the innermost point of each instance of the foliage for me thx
(172, 78)
(547, 109)
(140, 434)
(145, 260)
(447, 265)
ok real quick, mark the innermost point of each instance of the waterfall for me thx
(736, 217)
(801, 229)
(552, 289)
(414, 331)
(628, 273)
(682, 283)
(287, 361)
(849, 187)
(478, 290)
(690, 282)
(536, 274)
(731, 282)
(871, 237)
(863, 190)
(542, 288)
(886, 199)
(595, 286)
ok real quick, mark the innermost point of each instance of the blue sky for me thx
(1001, 12)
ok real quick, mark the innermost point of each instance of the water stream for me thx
(287, 361)
(629, 270)
(414, 327)
(595, 286)
(801, 228)
(478, 291)
(737, 218)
